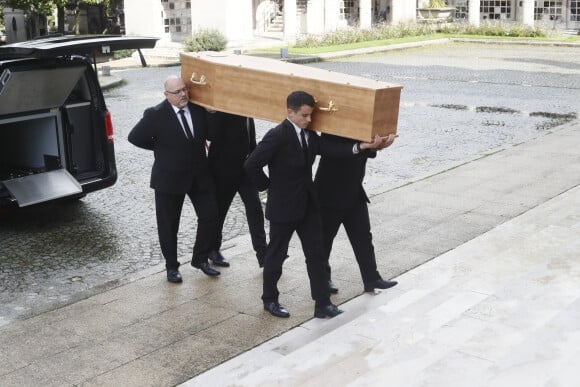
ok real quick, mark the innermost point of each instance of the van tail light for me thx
(109, 127)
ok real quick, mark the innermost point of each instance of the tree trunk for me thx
(77, 20)
(60, 19)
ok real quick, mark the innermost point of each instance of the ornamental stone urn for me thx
(435, 11)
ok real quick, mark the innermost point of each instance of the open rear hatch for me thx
(75, 45)
(32, 143)
(35, 101)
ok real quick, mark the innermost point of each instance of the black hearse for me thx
(56, 135)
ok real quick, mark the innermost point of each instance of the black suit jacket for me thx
(232, 139)
(339, 180)
(180, 164)
(289, 181)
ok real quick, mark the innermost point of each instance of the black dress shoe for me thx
(206, 268)
(379, 284)
(174, 276)
(325, 311)
(276, 309)
(332, 288)
(218, 259)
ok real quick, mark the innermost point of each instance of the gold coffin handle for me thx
(331, 107)
(201, 81)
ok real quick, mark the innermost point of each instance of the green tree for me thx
(29, 7)
(75, 7)
(46, 7)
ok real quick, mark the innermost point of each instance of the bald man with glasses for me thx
(176, 131)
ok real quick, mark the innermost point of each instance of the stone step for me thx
(501, 309)
(277, 25)
(276, 28)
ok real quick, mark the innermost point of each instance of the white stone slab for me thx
(500, 310)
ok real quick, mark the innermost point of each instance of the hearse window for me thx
(80, 92)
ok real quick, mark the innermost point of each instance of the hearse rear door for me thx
(35, 108)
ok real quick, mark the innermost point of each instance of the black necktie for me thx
(188, 132)
(251, 133)
(304, 145)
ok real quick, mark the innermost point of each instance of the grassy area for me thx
(341, 47)
(370, 43)
(559, 38)
(292, 50)
(386, 34)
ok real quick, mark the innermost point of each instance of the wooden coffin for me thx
(347, 105)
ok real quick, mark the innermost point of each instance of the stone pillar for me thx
(366, 15)
(233, 18)
(403, 11)
(331, 15)
(474, 15)
(290, 25)
(527, 16)
(315, 17)
(144, 17)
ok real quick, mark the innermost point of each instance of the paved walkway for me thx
(499, 310)
(495, 304)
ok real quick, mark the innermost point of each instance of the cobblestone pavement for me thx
(459, 102)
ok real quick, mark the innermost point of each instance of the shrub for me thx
(495, 29)
(120, 54)
(206, 40)
(353, 35)
(387, 31)
(436, 4)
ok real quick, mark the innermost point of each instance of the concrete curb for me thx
(110, 81)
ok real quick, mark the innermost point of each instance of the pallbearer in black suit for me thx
(339, 181)
(176, 132)
(289, 150)
(232, 138)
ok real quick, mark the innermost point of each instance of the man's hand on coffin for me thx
(388, 140)
(378, 142)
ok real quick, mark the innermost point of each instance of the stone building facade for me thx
(241, 20)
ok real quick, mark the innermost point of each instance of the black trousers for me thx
(226, 190)
(168, 210)
(309, 232)
(357, 225)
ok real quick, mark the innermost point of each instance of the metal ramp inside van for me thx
(42, 187)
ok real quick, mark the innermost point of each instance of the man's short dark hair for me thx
(297, 99)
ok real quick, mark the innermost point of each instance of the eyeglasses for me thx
(176, 92)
